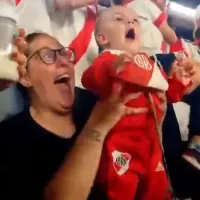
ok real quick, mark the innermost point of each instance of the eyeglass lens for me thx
(49, 56)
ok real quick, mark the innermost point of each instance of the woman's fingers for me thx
(162, 96)
(19, 58)
(22, 33)
(163, 105)
(135, 111)
(21, 44)
(130, 97)
(116, 92)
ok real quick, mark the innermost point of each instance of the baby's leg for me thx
(156, 185)
(122, 164)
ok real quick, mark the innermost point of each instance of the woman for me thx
(44, 150)
(70, 28)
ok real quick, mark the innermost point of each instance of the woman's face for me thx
(51, 85)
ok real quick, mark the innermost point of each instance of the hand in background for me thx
(183, 70)
(74, 4)
(17, 56)
(195, 78)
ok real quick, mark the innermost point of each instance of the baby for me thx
(153, 18)
(132, 162)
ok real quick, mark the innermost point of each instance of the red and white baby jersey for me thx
(148, 72)
(151, 17)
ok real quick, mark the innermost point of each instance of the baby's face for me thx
(119, 29)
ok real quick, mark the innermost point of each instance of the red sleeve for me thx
(101, 75)
(17, 2)
(96, 77)
(162, 18)
(176, 90)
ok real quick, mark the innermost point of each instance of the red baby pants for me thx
(131, 166)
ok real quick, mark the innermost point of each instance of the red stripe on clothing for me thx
(17, 1)
(162, 18)
(82, 41)
(164, 47)
(178, 47)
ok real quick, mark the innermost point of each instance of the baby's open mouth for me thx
(130, 34)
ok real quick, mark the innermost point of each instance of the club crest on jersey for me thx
(121, 162)
(143, 62)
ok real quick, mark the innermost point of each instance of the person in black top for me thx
(45, 151)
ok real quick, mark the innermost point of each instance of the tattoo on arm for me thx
(93, 135)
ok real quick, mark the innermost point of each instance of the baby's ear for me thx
(102, 40)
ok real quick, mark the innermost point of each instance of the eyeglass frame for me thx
(55, 54)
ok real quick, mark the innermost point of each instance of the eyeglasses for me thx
(49, 56)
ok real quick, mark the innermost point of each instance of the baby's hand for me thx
(121, 61)
(195, 78)
(183, 70)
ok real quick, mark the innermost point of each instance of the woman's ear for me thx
(102, 40)
(25, 78)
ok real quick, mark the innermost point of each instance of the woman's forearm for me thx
(76, 176)
(60, 4)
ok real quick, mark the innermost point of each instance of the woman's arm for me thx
(75, 178)
(60, 4)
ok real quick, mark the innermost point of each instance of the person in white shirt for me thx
(154, 24)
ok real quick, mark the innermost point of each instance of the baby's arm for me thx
(177, 84)
(106, 70)
(179, 80)
(100, 76)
